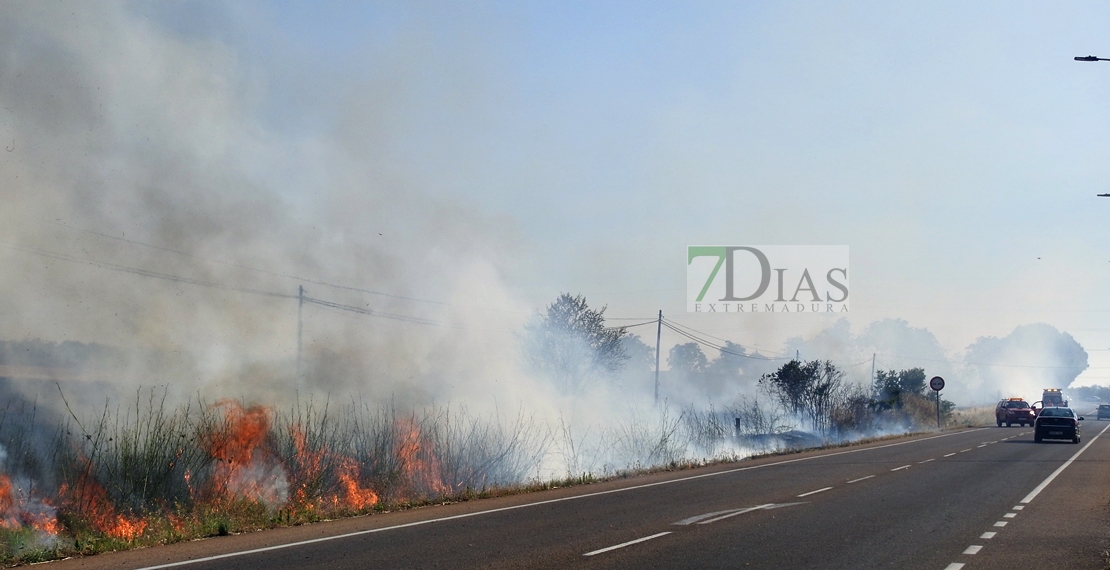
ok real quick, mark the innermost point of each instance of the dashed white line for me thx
(954, 566)
(814, 492)
(950, 454)
(988, 535)
(1033, 494)
(1019, 507)
(965, 450)
(973, 549)
(1000, 523)
(861, 479)
(984, 445)
(901, 468)
(629, 543)
(1009, 515)
(926, 461)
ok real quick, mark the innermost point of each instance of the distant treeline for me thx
(1090, 393)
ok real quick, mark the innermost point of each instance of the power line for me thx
(215, 285)
(246, 267)
(149, 273)
(722, 349)
(754, 349)
(651, 322)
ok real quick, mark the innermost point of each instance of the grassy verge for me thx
(149, 475)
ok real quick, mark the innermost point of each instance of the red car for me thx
(1013, 411)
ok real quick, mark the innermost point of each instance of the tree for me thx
(728, 363)
(571, 344)
(687, 358)
(641, 357)
(807, 388)
(893, 388)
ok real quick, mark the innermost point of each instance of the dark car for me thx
(1103, 411)
(1013, 411)
(1056, 423)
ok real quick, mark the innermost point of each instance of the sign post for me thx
(937, 384)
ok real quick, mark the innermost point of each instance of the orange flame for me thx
(92, 502)
(242, 465)
(418, 462)
(312, 465)
(18, 508)
(357, 496)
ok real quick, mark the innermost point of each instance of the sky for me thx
(468, 162)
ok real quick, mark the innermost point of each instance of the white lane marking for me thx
(973, 549)
(1000, 523)
(1009, 515)
(537, 503)
(861, 479)
(984, 445)
(988, 535)
(965, 450)
(629, 543)
(950, 454)
(926, 461)
(1019, 507)
(814, 492)
(954, 566)
(995, 441)
(901, 468)
(1033, 494)
(728, 513)
(762, 507)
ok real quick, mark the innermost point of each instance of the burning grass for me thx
(150, 474)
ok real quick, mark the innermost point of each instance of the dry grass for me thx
(978, 416)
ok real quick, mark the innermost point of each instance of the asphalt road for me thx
(965, 499)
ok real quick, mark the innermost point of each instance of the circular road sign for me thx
(936, 383)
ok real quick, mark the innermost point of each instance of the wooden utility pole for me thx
(300, 310)
(658, 336)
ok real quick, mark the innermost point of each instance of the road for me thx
(985, 498)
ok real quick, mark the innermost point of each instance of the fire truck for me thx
(1051, 398)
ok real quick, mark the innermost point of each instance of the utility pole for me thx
(300, 310)
(658, 336)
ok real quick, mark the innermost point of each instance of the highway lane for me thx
(917, 503)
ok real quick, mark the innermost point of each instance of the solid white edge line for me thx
(1033, 494)
(629, 543)
(537, 503)
(814, 492)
